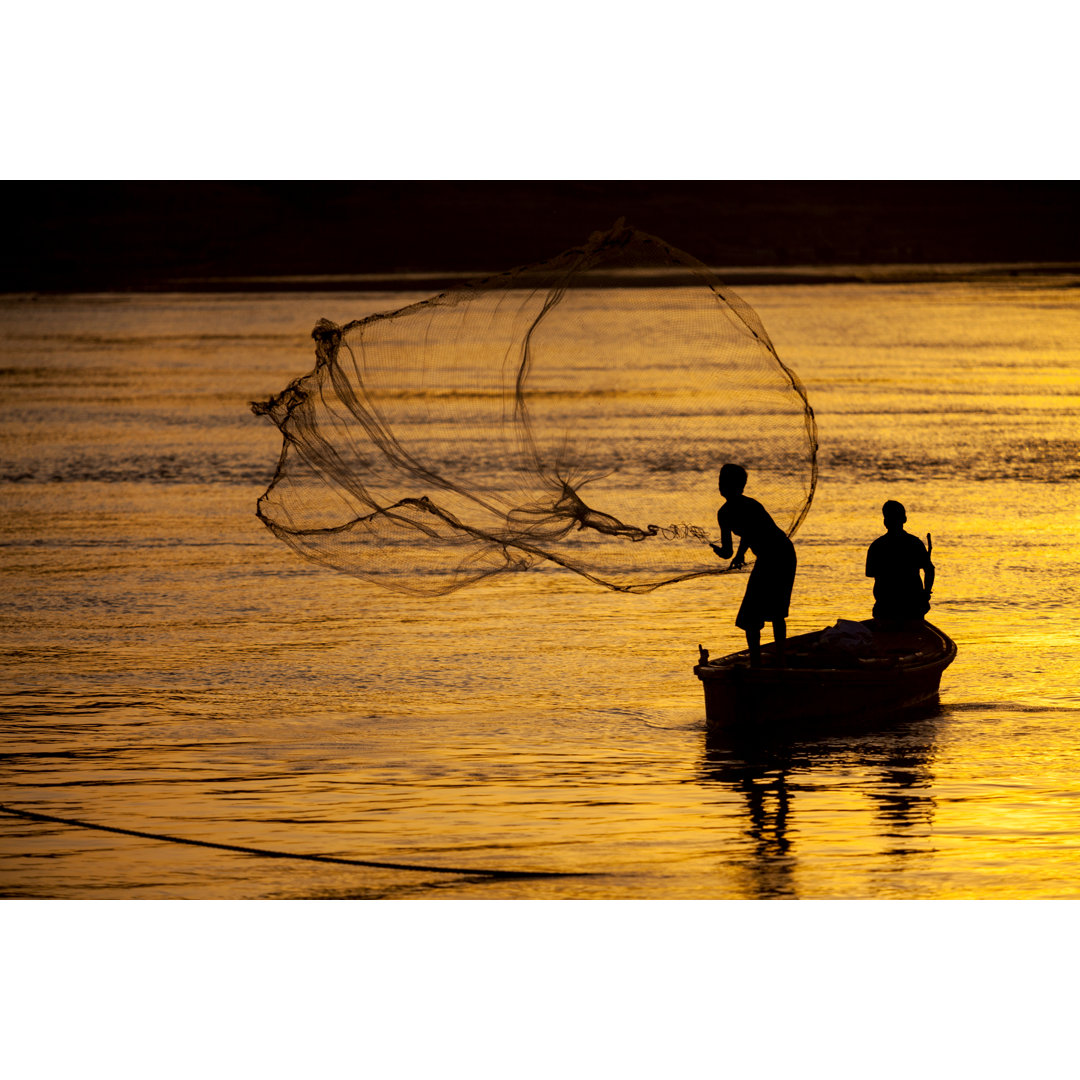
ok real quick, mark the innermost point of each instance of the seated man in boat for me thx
(894, 561)
(768, 592)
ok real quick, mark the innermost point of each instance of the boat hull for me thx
(899, 670)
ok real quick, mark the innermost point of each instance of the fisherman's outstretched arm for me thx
(740, 555)
(725, 548)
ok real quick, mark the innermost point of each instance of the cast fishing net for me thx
(570, 414)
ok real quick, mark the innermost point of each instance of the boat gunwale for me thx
(737, 665)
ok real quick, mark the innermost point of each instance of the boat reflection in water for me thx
(830, 792)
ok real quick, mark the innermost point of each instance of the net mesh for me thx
(569, 414)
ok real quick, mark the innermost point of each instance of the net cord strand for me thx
(268, 853)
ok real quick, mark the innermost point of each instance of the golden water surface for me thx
(168, 666)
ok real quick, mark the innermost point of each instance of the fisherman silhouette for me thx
(768, 592)
(894, 561)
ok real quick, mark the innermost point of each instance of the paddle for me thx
(929, 553)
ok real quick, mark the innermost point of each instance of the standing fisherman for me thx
(768, 592)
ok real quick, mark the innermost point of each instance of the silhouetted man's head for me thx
(894, 514)
(732, 480)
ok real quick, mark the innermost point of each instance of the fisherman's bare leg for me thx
(753, 641)
(779, 629)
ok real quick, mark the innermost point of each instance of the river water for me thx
(169, 667)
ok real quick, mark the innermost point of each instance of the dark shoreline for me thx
(160, 236)
(436, 282)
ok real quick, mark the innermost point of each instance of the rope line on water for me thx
(268, 853)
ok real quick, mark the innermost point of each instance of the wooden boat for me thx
(849, 671)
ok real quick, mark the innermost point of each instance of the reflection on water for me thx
(763, 783)
(774, 772)
(905, 801)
